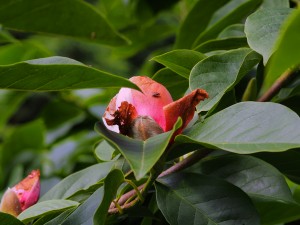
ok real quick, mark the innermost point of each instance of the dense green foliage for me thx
(62, 61)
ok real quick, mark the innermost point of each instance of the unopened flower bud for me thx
(144, 127)
(10, 203)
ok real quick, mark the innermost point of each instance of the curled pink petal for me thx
(184, 108)
(28, 190)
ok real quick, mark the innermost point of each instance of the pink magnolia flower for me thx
(21, 196)
(152, 111)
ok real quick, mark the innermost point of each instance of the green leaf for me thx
(197, 21)
(45, 208)
(180, 61)
(263, 183)
(257, 178)
(287, 162)
(55, 74)
(222, 44)
(71, 18)
(235, 30)
(22, 51)
(250, 93)
(275, 4)
(262, 29)
(235, 16)
(8, 219)
(219, 74)
(141, 155)
(192, 199)
(9, 103)
(176, 84)
(104, 152)
(248, 127)
(20, 140)
(288, 50)
(80, 180)
(111, 184)
(85, 212)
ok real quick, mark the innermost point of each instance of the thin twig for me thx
(275, 88)
(189, 161)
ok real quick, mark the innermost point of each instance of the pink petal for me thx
(28, 190)
(151, 102)
(184, 108)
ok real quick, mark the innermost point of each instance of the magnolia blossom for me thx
(142, 114)
(21, 196)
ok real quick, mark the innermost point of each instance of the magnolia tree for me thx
(149, 112)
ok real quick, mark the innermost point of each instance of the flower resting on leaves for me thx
(21, 196)
(144, 114)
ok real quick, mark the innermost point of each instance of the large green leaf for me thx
(192, 199)
(72, 18)
(8, 219)
(196, 21)
(85, 212)
(180, 61)
(263, 183)
(275, 4)
(141, 155)
(234, 30)
(287, 162)
(218, 74)
(80, 180)
(248, 127)
(44, 208)
(262, 29)
(56, 73)
(235, 16)
(176, 84)
(222, 44)
(287, 50)
(9, 103)
(111, 184)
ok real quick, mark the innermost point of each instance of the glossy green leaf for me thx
(80, 180)
(289, 91)
(263, 183)
(275, 4)
(104, 152)
(56, 73)
(176, 84)
(248, 127)
(235, 16)
(250, 93)
(22, 51)
(257, 178)
(287, 162)
(111, 184)
(9, 103)
(141, 155)
(54, 218)
(6, 37)
(288, 50)
(219, 74)
(85, 212)
(8, 219)
(235, 30)
(262, 29)
(72, 18)
(196, 21)
(192, 199)
(180, 61)
(19, 140)
(44, 219)
(222, 44)
(44, 208)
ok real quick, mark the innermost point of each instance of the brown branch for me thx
(189, 161)
(275, 88)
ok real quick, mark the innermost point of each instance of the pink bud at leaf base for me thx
(23, 195)
(153, 101)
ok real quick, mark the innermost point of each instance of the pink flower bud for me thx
(154, 103)
(21, 196)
